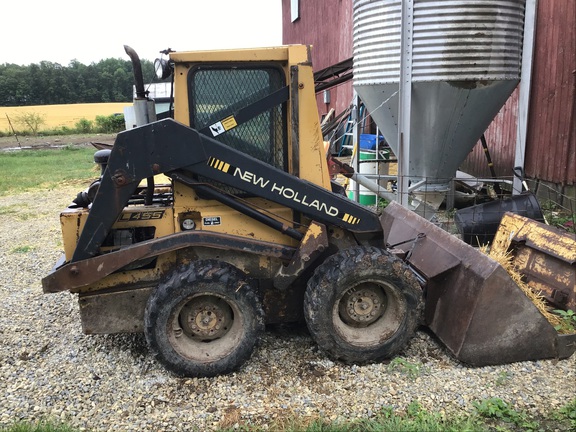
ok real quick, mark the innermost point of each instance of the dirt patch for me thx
(54, 141)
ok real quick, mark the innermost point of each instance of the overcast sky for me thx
(88, 31)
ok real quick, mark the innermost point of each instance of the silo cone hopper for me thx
(464, 59)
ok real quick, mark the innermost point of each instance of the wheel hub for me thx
(206, 318)
(361, 307)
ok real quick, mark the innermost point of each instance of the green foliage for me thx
(382, 203)
(84, 126)
(11, 209)
(412, 370)
(22, 249)
(32, 121)
(496, 408)
(110, 124)
(30, 169)
(559, 216)
(568, 412)
(61, 130)
(503, 378)
(38, 427)
(568, 324)
(415, 419)
(48, 83)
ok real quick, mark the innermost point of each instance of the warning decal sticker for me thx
(223, 126)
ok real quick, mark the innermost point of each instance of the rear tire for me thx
(363, 304)
(204, 320)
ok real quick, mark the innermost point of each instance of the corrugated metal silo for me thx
(465, 58)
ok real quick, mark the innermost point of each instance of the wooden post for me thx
(13, 131)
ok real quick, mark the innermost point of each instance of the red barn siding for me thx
(551, 152)
(551, 135)
(501, 139)
(327, 26)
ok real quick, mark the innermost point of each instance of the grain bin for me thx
(464, 60)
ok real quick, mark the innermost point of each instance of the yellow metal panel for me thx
(73, 220)
(231, 221)
(544, 256)
(312, 159)
(72, 223)
(236, 55)
(515, 226)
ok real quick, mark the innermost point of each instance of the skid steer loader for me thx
(220, 218)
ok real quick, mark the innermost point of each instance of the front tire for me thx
(204, 320)
(363, 304)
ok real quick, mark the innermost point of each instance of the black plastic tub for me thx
(478, 224)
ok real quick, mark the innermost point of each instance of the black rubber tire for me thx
(343, 293)
(204, 320)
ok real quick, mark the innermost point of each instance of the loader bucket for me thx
(472, 304)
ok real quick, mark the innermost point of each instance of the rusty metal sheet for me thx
(543, 255)
(472, 303)
(82, 273)
(117, 312)
(315, 242)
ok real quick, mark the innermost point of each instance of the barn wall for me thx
(551, 154)
(551, 135)
(327, 26)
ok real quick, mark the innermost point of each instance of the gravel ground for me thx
(50, 370)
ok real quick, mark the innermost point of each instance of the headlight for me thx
(163, 68)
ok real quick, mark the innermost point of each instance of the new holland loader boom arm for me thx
(172, 148)
(121, 266)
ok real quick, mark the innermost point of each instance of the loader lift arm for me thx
(167, 146)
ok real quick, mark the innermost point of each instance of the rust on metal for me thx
(124, 311)
(91, 270)
(472, 303)
(545, 257)
(315, 242)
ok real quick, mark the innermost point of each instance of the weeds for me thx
(568, 412)
(413, 419)
(412, 370)
(22, 249)
(32, 124)
(503, 378)
(491, 415)
(567, 321)
(32, 121)
(559, 216)
(496, 408)
(38, 427)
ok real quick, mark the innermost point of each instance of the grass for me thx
(24, 170)
(491, 414)
(38, 427)
(23, 249)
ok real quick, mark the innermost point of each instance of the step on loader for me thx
(219, 217)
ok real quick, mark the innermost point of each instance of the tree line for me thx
(48, 83)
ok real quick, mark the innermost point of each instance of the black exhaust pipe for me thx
(137, 68)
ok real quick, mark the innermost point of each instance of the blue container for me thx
(369, 141)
